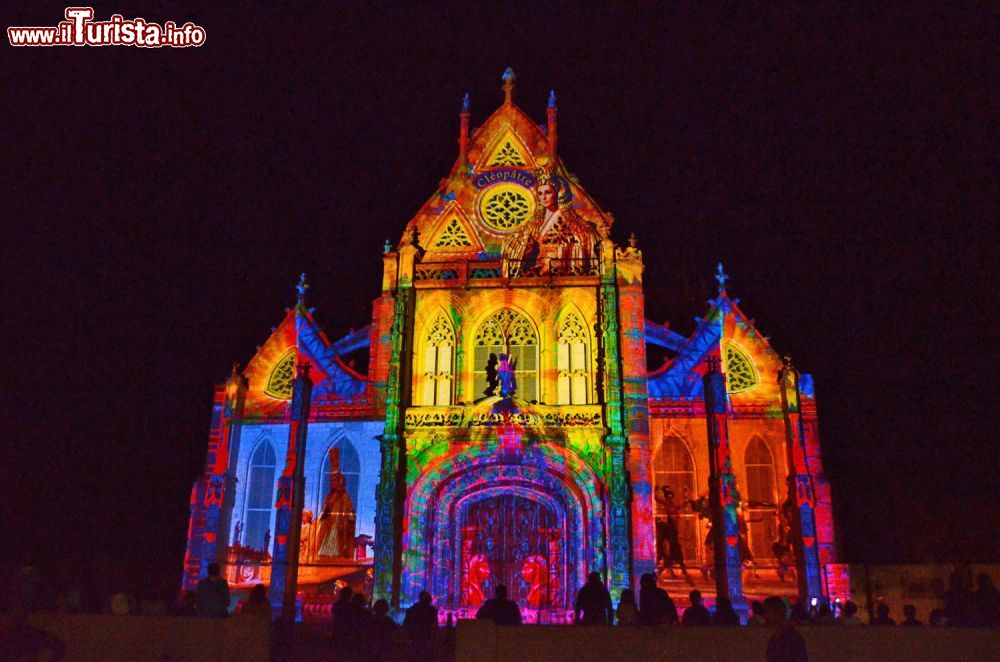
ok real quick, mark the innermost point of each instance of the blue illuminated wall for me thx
(322, 436)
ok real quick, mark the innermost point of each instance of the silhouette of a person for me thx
(492, 376)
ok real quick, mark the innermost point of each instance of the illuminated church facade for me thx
(507, 429)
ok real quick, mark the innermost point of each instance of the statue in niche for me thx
(336, 520)
(237, 533)
(307, 542)
(505, 373)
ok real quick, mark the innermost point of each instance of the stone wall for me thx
(481, 641)
(106, 637)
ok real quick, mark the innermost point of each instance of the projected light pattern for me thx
(507, 425)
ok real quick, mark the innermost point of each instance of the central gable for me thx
(492, 190)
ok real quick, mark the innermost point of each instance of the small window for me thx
(439, 352)
(573, 385)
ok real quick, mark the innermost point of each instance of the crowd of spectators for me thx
(361, 630)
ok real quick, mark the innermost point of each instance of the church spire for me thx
(300, 290)
(551, 131)
(721, 277)
(463, 131)
(508, 86)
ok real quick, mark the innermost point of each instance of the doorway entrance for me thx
(515, 541)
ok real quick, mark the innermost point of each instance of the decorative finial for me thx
(301, 288)
(387, 247)
(713, 364)
(302, 369)
(633, 240)
(552, 98)
(236, 369)
(721, 276)
(508, 85)
(465, 103)
(786, 361)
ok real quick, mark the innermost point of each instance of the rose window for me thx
(506, 207)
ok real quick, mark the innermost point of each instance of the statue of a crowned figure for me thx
(505, 372)
(336, 521)
(555, 240)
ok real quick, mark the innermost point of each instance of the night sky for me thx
(158, 206)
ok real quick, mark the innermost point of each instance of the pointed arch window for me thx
(760, 473)
(762, 511)
(439, 355)
(508, 332)
(573, 383)
(259, 497)
(673, 467)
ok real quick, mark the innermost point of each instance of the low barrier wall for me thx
(107, 637)
(481, 641)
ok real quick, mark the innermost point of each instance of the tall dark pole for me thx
(291, 487)
(800, 504)
(722, 494)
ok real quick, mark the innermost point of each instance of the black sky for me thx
(158, 205)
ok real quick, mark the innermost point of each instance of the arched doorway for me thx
(465, 489)
(515, 539)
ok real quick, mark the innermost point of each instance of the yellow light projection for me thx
(439, 351)
(573, 385)
(279, 383)
(547, 330)
(740, 372)
(506, 206)
(453, 236)
(507, 151)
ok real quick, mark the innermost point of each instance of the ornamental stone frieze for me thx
(533, 416)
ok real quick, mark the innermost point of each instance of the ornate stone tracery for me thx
(439, 352)
(740, 373)
(505, 207)
(279, 383)
(506, 155)
(453, 236)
